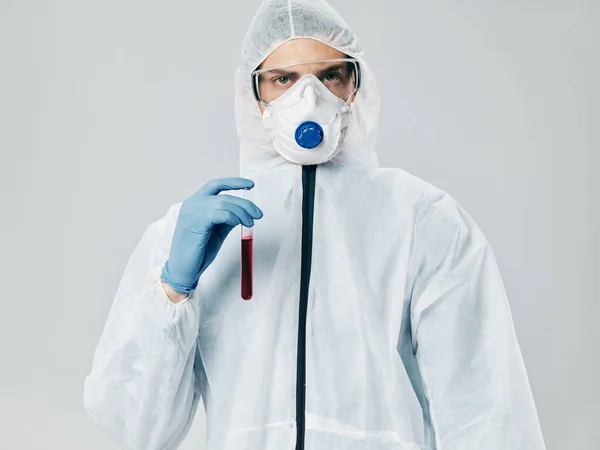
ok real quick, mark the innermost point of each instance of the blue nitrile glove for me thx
(205, 219)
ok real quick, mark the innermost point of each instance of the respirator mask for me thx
(307, 107)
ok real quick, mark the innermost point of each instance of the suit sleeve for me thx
(469, 359)
(143, 386)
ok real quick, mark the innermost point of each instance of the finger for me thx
(231, 215)
(217, 185)
(244, 218)
(254, 211)
(223, 216)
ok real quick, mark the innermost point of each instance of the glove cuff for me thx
(177, 287)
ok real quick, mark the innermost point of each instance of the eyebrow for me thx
(290, 73)
(280, 72)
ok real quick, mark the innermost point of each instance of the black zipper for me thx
(308, 207)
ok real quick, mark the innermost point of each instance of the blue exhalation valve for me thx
(309, 134)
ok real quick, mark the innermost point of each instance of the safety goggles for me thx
(341, 76)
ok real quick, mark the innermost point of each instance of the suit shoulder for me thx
(433, 208)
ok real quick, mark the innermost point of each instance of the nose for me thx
(309, 95)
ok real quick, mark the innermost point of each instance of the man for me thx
(379, 319)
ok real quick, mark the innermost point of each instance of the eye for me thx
(332, 76)
(282, 80)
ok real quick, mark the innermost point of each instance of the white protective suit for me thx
(379, 318)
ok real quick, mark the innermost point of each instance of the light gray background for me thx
(111, 111)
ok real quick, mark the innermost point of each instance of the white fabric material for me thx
(308, 99)
(410, 342)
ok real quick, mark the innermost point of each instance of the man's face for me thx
(337, 76)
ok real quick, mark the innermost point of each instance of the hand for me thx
(205, 219)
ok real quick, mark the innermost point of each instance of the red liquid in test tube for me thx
(247, 257)
(247, 263)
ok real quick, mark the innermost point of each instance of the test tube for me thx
(247, 256)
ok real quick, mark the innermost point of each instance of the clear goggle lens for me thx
(340, 76)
